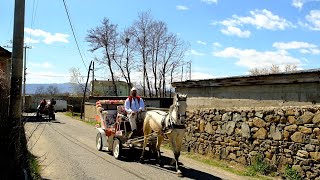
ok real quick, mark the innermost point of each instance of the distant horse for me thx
(171, 123)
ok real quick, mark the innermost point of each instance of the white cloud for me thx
(231, 30)
(303, 47)
(300, 3)
(201, 42)
(30, 40)
(313, 19)
(314, 51)
(196, 53)
(251, 58)
(210, 1)
(216, 44)
(201, 75)
(260, 19)
(293, 45)
(47, 37)
(44, 65)
(182, 8)
(297, 3)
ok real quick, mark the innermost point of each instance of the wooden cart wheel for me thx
(117, 149)
(99, 141)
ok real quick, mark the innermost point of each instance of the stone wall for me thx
(283, 136)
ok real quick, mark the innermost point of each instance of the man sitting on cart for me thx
(43, 104)
(133, 105)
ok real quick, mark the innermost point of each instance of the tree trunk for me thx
(112, 75)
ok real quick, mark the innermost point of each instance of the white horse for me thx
(171, 123)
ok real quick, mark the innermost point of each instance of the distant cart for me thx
(47, 111)
(114, 129)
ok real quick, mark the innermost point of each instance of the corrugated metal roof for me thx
(249, 76)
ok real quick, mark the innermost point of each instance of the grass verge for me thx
(234, 168)
(76, 116)
(292, 174)
(34, 166)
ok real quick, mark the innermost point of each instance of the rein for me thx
(171, 125)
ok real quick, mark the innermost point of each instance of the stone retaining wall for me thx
(283, 136)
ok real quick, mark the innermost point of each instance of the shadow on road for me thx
(150, 159)
(33, 118)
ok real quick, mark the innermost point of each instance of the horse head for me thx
(179, 109)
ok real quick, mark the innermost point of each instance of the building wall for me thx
(90, 112)
(105, 88)
(261, 95)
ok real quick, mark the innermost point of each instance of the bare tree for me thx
(40, 91)
(257, 71)
(125, 61)
(290, 68)
(273, 69)
(106, 37)
(141, 30)
(173, 54)
(158, 41)
(52, 90)
(146, 46)
(77, 80)
(158, 50)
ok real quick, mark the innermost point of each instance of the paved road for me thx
(66, 150)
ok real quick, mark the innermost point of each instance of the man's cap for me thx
(133, 89)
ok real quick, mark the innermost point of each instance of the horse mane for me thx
(171, 108)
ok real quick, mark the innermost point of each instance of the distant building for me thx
(105, 88)
(5, 61)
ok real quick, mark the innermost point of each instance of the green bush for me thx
(259, 166)
(292, 174)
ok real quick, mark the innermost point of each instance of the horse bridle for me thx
(176, 126)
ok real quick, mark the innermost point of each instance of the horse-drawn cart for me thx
(114, 129)
(46, 109)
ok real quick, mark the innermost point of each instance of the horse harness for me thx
(171, 125)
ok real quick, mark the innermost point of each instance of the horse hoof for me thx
(179, 173)
(141, 160)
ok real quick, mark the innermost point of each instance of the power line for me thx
(58, 76)
(74, 36)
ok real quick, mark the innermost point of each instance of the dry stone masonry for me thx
(283, 136)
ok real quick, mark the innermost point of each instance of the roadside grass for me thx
(76, 116)
(234, 168)
(34, 166)
(292, 174)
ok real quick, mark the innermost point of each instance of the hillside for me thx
(63, 87)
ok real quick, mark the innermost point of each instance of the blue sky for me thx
(226, 37)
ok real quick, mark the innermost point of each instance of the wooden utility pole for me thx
(24, 77)
(17, 146)
(92, 85)
(85, 91)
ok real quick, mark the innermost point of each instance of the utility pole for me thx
(85, 90)
(189, 62)
(24, 77)
(92, 85)
(17, 146)
(182, 71)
